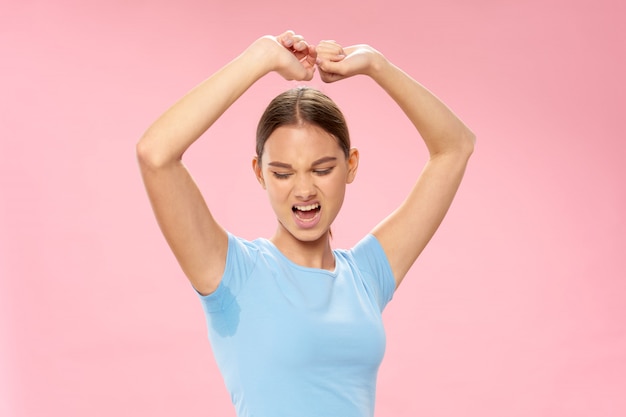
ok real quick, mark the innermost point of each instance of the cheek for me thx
(277, 189)
(335, 187)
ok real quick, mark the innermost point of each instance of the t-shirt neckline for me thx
(291, 263)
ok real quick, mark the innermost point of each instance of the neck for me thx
(312, 254)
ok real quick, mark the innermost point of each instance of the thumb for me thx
(333, 67)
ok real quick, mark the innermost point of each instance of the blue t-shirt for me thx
(292, 341)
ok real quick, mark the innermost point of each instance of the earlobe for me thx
(353, 164)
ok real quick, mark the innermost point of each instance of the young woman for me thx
(295, 325)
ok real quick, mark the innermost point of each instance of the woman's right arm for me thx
(199, 243)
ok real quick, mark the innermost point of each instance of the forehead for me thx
(300, 144)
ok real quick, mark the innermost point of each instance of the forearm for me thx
(170, 135)
(440, 128)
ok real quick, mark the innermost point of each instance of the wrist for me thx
(378, 65)
(260, 56)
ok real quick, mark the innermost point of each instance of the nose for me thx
(304, 188)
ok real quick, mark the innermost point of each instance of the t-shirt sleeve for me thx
(240, 260)
(374, 265)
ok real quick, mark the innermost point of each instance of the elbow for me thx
(464, 144)
(144, 152)
(469, 142)
(458, 143)
(150, 155)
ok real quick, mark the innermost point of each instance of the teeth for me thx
(307, 208)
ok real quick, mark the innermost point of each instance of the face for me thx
(305, 173)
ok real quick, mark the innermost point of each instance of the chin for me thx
(310, 236)
(307, 236)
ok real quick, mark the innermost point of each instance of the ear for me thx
(353, 165)
(258, 172)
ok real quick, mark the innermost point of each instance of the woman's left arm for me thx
(405, 233)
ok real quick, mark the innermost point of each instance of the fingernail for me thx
(288, 42)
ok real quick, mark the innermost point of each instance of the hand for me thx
(336, 63)
(293, 57)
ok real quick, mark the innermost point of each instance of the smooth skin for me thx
(200, 243)
(303, 166)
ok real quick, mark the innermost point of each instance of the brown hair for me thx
(299, 106)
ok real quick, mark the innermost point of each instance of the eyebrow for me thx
(315, 163)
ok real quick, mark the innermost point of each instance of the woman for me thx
(295, 326)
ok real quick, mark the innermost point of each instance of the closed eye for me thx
(280, 175)
(324, 171)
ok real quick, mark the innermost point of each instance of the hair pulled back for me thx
(300, 106)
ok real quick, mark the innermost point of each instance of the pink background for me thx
(517, 308)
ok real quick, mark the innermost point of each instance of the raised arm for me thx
(196, 239)
(406, 232)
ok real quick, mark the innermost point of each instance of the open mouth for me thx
(308, 212)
